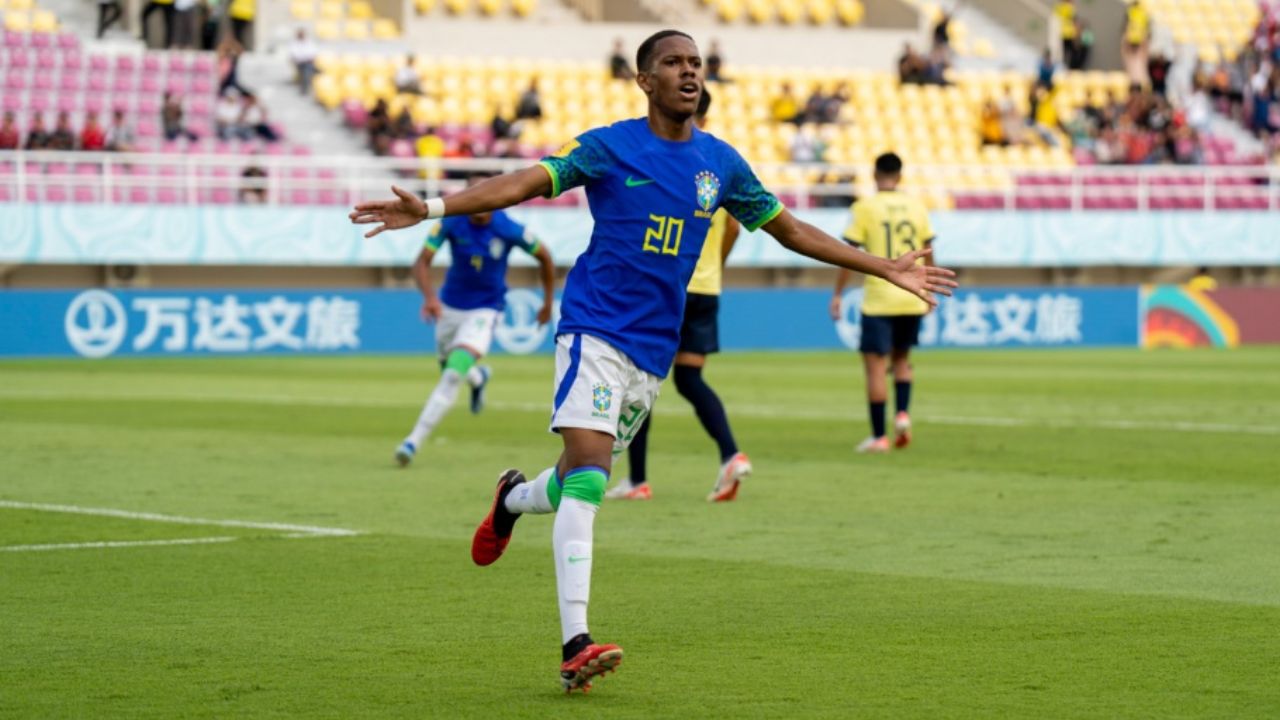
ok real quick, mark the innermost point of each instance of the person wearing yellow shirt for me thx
(1065, 11)
(699, 337)
(889, 224)
(242, 13)
(1134, 48)
(167, 10)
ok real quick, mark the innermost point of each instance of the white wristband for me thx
(435, 208)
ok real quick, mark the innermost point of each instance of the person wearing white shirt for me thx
(302, 53)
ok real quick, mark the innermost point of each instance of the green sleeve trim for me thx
(433, 243)
(533, 247)
(767, 218)
(555, 178)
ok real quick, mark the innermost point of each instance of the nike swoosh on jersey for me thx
(632, 182)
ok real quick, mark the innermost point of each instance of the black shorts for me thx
(882, 334)
(700, 331)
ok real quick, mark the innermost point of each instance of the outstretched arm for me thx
(919, 280)
(547, 272)
(496, 193)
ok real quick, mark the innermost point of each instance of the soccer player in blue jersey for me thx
(652, 185)
(469, 306)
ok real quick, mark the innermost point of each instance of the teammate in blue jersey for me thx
(652, 185)
(469, 306)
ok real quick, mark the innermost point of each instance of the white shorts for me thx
(599, 388)
(473, 328)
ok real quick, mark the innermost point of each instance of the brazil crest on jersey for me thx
(478, 276)
(652, 200)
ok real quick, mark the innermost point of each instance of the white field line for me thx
(759, 411)
(301, 530)
(117, 544)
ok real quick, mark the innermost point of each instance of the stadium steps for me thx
(304, 121)
(1011, 51)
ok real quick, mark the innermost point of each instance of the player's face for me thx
(673, 81)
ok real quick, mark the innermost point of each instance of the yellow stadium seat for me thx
(360, 10)
(356, 30)
(327, 30)
(17, 21)
(424, 7)
(22, 5)
(489, 8)
(303, 10)
(524, 8)
(760, 11)
(385, 29)
(332, 10)
(789, 12)
(43, 21)
(729, 10)
(458, 7)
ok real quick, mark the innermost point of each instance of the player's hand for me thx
(921, 280)
(544, 315)
(837, 307)
(405, 211)
(431, 309)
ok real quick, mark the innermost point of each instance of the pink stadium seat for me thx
(84, 193)
(72, 60)
(46, 59)
(148, 105)
(97, 82)
(41, 40)
(202, 85)
(200, 106)
(177, 63)
(68, 41)
(19, 57)
(98, 63)
(69, 82)
(11, 38)
(150, 83)
(300, 151)
(151, 63)
(122, 84)
(126, 64)
(148, 129)
(15, 81)
(13, 102)
(40, 102)
(67, 103)
(203, 64)
(95, 102)
(43, 81)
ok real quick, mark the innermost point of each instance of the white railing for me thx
(309, 180)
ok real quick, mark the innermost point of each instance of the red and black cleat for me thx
(491, 538)
(592, 661)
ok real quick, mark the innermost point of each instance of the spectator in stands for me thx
(254, 189)
(806, 146)
(108, 13)
(1044, 114)
(63, 136)
(619, 65)
(785, 107)
(835, 103)
(378, 126)
(429, 147)
(37, 135)
(166, 9)
(500, 127)
(406, 79)
(1068, 29)
(1199, 107)
(990, 126)
(1011, 120)
(1264, 103)
(120, 137)
(714, 63)
(302, 53)
(1134, 46)
(1079, 60)
(10, 136)
(1158, 71)
(92, 136)
(942, 33)
(912, 67)
(1046, 69)
(530, 105)
(402, 127)
(171, 119)
(184, 24)
(253, 117)
(241, 13)
(815, 106)
(226, 116)
(229, 52)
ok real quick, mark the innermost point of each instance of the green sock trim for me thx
(585, 484)
(553, 491)
(459, 361)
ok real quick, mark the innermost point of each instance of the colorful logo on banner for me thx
(1176, 316)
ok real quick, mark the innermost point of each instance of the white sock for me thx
(571, 543)
(531, 497)
(474, 376)
(437, 405)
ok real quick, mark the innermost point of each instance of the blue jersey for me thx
(652, 200)
(478, 276)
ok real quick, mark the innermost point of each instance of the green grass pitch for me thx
(1073, 534)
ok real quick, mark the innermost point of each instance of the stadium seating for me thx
(789, 12)
(1218, 28)
(349, 20)
(477, 8)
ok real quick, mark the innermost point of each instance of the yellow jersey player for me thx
(699, 337)
(888, 224)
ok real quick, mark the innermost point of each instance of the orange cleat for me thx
(730, 478)
(593, 661)
(874, 445)
(902, 430)
(627, 490)
(491, 538)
